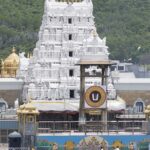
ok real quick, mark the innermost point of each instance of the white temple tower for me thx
(66, 34)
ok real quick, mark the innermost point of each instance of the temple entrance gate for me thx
(93, 100)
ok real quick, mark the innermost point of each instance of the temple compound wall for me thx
(10, 96)
(134, 91)
(132, 96)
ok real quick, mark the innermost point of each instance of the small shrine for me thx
(27, 116)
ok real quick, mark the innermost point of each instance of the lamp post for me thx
(147, 113)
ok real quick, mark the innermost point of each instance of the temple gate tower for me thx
(67, 27)
(93, 99)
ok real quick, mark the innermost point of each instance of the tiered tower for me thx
(67, 33)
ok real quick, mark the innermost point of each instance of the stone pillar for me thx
(147, 114)
(104, 119)
(82, 89)
(103, 74)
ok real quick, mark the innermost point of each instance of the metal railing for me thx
(93, 126)
(83, 147)
(92, 147)
(19, 148)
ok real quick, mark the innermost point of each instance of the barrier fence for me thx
(93, 126)
(126, 147)
(116, 127)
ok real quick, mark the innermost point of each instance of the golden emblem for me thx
(95, 96)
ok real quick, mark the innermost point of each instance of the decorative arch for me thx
(139, 105)
(3, 105)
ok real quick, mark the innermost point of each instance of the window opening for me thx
(71, 72)
(72, 95)
(70, 36)
(70, 53)
(70, 20)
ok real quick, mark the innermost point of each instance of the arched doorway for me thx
(139, 105)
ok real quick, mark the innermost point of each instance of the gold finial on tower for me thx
(13, 50)
(28, 55)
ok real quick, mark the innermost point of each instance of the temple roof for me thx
(12, 59)
(56, 106)
(94, 62)
(69, 106)
(28, 108)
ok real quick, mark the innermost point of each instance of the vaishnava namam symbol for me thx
(95, 96)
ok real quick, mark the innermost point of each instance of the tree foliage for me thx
(125, 23)
(19, 24)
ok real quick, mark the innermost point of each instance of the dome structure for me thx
(13, 59)
(27, 109)
(14, 134)
(11, 64)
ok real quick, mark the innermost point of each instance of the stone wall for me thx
(131, 96)
(10, 96)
